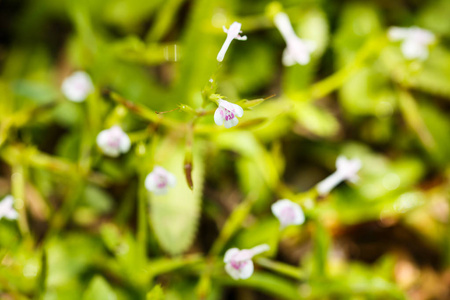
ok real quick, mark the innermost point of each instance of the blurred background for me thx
(89, 230)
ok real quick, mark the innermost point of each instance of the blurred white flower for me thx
(113, 141)
(239, 264)
(6, 208)
(227, 113)
(297, 50)
(232, 33)
(159, 181)
(415, 41)
(77, 86)
(346, 169)
(288, 212)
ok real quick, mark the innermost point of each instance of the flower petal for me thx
(218, 116)
(398, 33)
(230, 254)
(278, 207)
(247, 270)
(150, 182)
(237, 110)
(234, 273)
(414, 50)
(232, 122)
(125, 143)
(287, 59)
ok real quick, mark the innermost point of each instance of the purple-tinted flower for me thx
(297, 50)
(232, 33)
(227, 113)
(415, 41)
(7, 208)
(288, 212)
(346, 169)
(113, 141)
(159, 181)
(239, 264)
(77, 86)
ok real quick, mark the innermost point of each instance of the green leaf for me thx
(99, 289)
(174, 216)
(156, 293)
(267, 283)
(315, 120)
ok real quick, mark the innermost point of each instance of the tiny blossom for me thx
(77, 86)
(113, 141)
(239, 264)
(6, 208)
(415, 41)
(297, 50)
(288, 212)
(346, 169)
(232, 33)
(159, 181)
(227, 113)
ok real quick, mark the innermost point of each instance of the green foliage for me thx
(99, 288)
(89, 228)
(174, 216)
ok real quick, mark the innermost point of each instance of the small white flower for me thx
(232, 33)
(415, 41)
(6, 208)
(77, 86)
(113, 141)
(288, 212)
(159, 181)
(346, 169)
(297, 50)
(227, 113)
(239, 264)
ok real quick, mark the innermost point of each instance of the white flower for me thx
(415, 41)
(232, 33)
(239, 264)
(297, 50)
(347, 169)
(288, 212)
(113, 141)
(159, 181)
(227, 113)
(6, 208)
(77, 86)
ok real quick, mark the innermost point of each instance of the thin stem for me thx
(18, 191)
(281, 268)
(336, 80)
(233, 223)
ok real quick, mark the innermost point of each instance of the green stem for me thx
(142, 212)
(336, 80)
(281, 268)
(233, 223)
(18, 192)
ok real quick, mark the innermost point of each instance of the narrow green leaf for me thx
(174, 216)
(156, 293)
(99, 289)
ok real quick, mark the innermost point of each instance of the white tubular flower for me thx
(77, 86)
(415, 41)
(232, 33)
(6, 208)
(288, 212)
(239, 264)
(346, 169)
(113, 141)
(227, 113)
(297, 50)
(159, 181)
